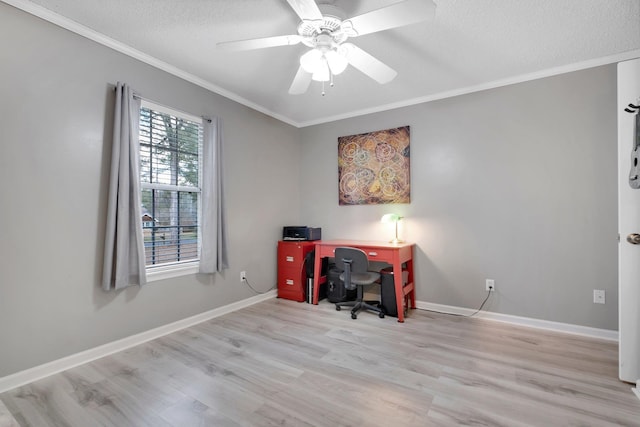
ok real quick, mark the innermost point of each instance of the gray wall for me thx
(56, 97)
(516, 184)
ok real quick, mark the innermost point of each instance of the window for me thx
(170, 180)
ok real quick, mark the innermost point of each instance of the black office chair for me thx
(355, 264)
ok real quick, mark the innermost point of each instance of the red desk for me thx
(394, 254)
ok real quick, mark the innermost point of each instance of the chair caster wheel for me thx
(354, 316)
(337, 308)
(381, 315)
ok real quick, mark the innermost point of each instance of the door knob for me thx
(634, 238)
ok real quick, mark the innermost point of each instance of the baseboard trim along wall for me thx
(33, 374)
(38, 372)
(548, 325)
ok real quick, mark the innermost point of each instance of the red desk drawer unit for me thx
(291, 269)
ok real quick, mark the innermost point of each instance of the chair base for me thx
(361, 305)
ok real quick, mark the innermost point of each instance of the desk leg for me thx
(317, 272)
(397, 282)
(412, 293)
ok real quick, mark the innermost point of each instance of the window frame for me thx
(179, 268)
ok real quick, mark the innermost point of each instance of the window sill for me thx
(171, 271)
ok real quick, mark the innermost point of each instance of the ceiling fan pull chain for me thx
(323, 88)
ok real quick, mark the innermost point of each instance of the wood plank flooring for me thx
(282, 363)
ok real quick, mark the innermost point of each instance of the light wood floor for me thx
(282, 363)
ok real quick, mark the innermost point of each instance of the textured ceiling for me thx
(469, 45)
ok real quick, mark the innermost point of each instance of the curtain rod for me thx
(141, 98)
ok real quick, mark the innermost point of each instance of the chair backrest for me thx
(355, 258)
(351, 261)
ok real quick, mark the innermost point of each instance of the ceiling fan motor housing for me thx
(323, 34)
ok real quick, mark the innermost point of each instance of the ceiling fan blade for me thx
(260, 43)
(306, 9)
(300, 82)
(397, 15)
(369, 65)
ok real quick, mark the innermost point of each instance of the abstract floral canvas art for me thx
(373, 168)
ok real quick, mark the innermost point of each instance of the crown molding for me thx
(125, 49)
(550, 72)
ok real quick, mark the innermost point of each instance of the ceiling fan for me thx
(326, 34)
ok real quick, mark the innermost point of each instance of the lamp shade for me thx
(311, 60)
(323, 63)
(337, 63)
(390, 217)
(322, 73)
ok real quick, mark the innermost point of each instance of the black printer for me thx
(298, 232)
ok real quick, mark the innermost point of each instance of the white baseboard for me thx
(38, 372)
(605, 334)
(636, 389)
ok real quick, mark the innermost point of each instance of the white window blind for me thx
(170, 177)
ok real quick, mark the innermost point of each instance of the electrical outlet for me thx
(598, 296)
(243, 276)
(490, 285)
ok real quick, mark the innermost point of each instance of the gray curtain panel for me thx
(124, 262)
(213, 254)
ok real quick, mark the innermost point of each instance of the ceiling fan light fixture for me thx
(337, 63)
(322, 72)
(323, 63)
(311, 60)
